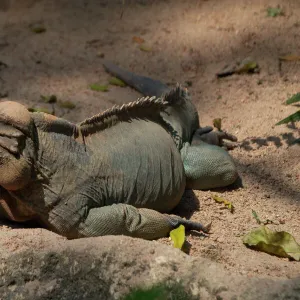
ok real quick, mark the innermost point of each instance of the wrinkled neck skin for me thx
(184, 121)
(56, 159)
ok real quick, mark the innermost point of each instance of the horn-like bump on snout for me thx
(15, 123)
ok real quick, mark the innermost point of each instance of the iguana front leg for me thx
(218, 138)
(207, 166)
(122, 219)
(206, 163)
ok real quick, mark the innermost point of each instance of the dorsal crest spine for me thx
(143, 107)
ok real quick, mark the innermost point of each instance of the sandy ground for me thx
(190, 41)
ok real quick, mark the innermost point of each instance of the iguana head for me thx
(16, 132)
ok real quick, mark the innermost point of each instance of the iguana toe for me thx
(218, 138)
(189, 225)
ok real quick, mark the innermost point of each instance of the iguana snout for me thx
(15, 124)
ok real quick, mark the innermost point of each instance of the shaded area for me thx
(269, 180)
(94, 15)
(284, 139)
(161, 291)
(188, 204)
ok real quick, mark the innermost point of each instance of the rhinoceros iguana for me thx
(119, 172)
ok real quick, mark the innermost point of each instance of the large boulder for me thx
(38, 264)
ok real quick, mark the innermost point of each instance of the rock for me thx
(109, 267)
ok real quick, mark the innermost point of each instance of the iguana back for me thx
(182, 116)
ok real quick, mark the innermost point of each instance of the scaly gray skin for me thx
(118, 172)
(206, 164)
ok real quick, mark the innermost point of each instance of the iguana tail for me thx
(145, 85)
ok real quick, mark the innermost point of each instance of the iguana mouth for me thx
(9, 209)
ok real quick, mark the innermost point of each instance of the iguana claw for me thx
(189, 225)
(218, 138)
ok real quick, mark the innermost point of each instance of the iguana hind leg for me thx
(128, 220)
(124, 219)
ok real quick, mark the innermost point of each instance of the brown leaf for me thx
(290, 57)
(227, 204)
(37, 28)
(138, 40)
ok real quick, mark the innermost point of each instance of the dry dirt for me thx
(190, 41)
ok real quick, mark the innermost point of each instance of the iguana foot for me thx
(218, 138)
(189, 225)
(15, 124)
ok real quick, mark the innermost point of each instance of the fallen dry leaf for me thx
(290, 57)
(138, 40)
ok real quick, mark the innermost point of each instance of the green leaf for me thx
(295, 98)
(227, 204)
(66, 104)
(98, 87)
(161, 291)
(41, 109)
(116, 81)
(218, 123)
(256, 216)
(291, 118)
(281, 243)
(49, 99)
(274, 11)
(247, 66)
(145, 48)
(178, 236)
